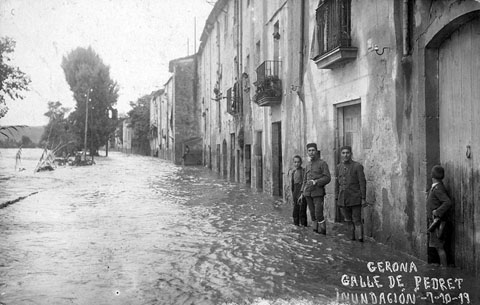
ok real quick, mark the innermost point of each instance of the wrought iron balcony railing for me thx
(269, 84)
(333, 20)
(332, 39)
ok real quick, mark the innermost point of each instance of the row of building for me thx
(396, 80)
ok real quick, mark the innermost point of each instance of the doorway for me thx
(225, 160)
(258, 161)
(248, 164)
(232, 157)
(349, 132)
(277, 172)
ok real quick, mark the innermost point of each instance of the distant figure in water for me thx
(18, 160)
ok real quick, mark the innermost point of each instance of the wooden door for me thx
(459, 129)
(277, 172)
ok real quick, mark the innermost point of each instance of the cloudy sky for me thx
(136, 38)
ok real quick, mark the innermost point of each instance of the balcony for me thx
(332, 40)
(269, 85)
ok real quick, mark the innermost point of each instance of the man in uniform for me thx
(350, 192)
(316, 176)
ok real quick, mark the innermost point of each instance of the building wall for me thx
(166, 134)
(187, 125)
(377, 83)
(154, 123)
(217, 69)
(391, 88)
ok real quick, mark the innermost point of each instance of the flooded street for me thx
(139, 230)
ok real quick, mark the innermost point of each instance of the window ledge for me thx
(336, 57)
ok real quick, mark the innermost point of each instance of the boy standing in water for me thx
(299, 205)
(438, 207)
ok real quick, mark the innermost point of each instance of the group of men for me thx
(308, 190)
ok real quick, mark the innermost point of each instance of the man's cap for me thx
(438, 172)
(312, 145)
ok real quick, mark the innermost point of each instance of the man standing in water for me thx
(350, 192)
(316, 176)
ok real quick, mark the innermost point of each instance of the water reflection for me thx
(139, 230)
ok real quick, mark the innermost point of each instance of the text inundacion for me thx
(391, 287)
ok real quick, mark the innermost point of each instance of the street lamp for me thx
(86, 125)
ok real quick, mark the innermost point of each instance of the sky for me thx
(136, 38)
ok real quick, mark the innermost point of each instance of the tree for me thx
(140, 123)
(12, 80)
(89, 79)
(26, 142)
(58, 130)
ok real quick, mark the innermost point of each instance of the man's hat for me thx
(312, 145)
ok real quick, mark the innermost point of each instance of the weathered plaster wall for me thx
(377, 82)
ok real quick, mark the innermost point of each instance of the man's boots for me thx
(303, 221)
(359, 232)
(322, 227)
(315, 226)
(296, 221)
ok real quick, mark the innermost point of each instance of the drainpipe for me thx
(405, 27)
(300, 91)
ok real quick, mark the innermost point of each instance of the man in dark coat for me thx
(350, 192)
(438, 207)
(316, 176)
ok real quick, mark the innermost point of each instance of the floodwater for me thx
(139, 230)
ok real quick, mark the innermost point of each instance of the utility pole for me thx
(86, 126)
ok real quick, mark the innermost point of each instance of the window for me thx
(234, 105)
(332, 40)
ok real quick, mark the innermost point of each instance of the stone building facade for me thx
(174, 116)
(390, 78)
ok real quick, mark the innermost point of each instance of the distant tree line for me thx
(25, 142)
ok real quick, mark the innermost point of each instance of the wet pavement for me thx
(139, 230)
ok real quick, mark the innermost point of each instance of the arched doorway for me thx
(453, 128)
